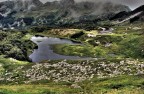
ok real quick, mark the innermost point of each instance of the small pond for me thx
(45, 52)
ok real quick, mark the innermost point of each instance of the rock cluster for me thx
(74, 72)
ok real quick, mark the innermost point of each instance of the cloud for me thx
(131, 3)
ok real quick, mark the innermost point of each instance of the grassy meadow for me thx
(119, 68)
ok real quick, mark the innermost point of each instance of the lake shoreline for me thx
(48, 42)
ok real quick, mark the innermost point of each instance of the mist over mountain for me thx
(131, 3)
(23, 13)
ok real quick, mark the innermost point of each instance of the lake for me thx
(45, 52)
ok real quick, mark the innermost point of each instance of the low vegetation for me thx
(16, 45)
(117, 67)
(116, 85)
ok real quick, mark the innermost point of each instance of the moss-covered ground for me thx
(116, 85)
(123, 42)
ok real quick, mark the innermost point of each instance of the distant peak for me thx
(141, 8)
(67, 2)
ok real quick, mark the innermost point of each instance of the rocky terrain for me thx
(72, 71)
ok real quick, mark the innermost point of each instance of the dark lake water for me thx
(45, 52)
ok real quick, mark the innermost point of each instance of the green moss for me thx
(123, 84)
(132, 46)
(115, 85)
(79, 50)
(16, 44)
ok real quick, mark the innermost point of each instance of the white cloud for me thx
(131, 3)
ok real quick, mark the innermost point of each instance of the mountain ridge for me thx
(57, 13)
(132, 16)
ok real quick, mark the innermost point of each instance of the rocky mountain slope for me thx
(132, 16)
(23, 13)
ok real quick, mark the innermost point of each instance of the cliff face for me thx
(17, 13)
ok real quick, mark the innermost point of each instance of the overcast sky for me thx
(131, 3)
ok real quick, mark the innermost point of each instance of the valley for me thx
(118, 55)
(70, 47)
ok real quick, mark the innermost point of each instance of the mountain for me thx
(24, 13)
(19, 5)
(132, 16)
(119, 16)
(67, 3)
